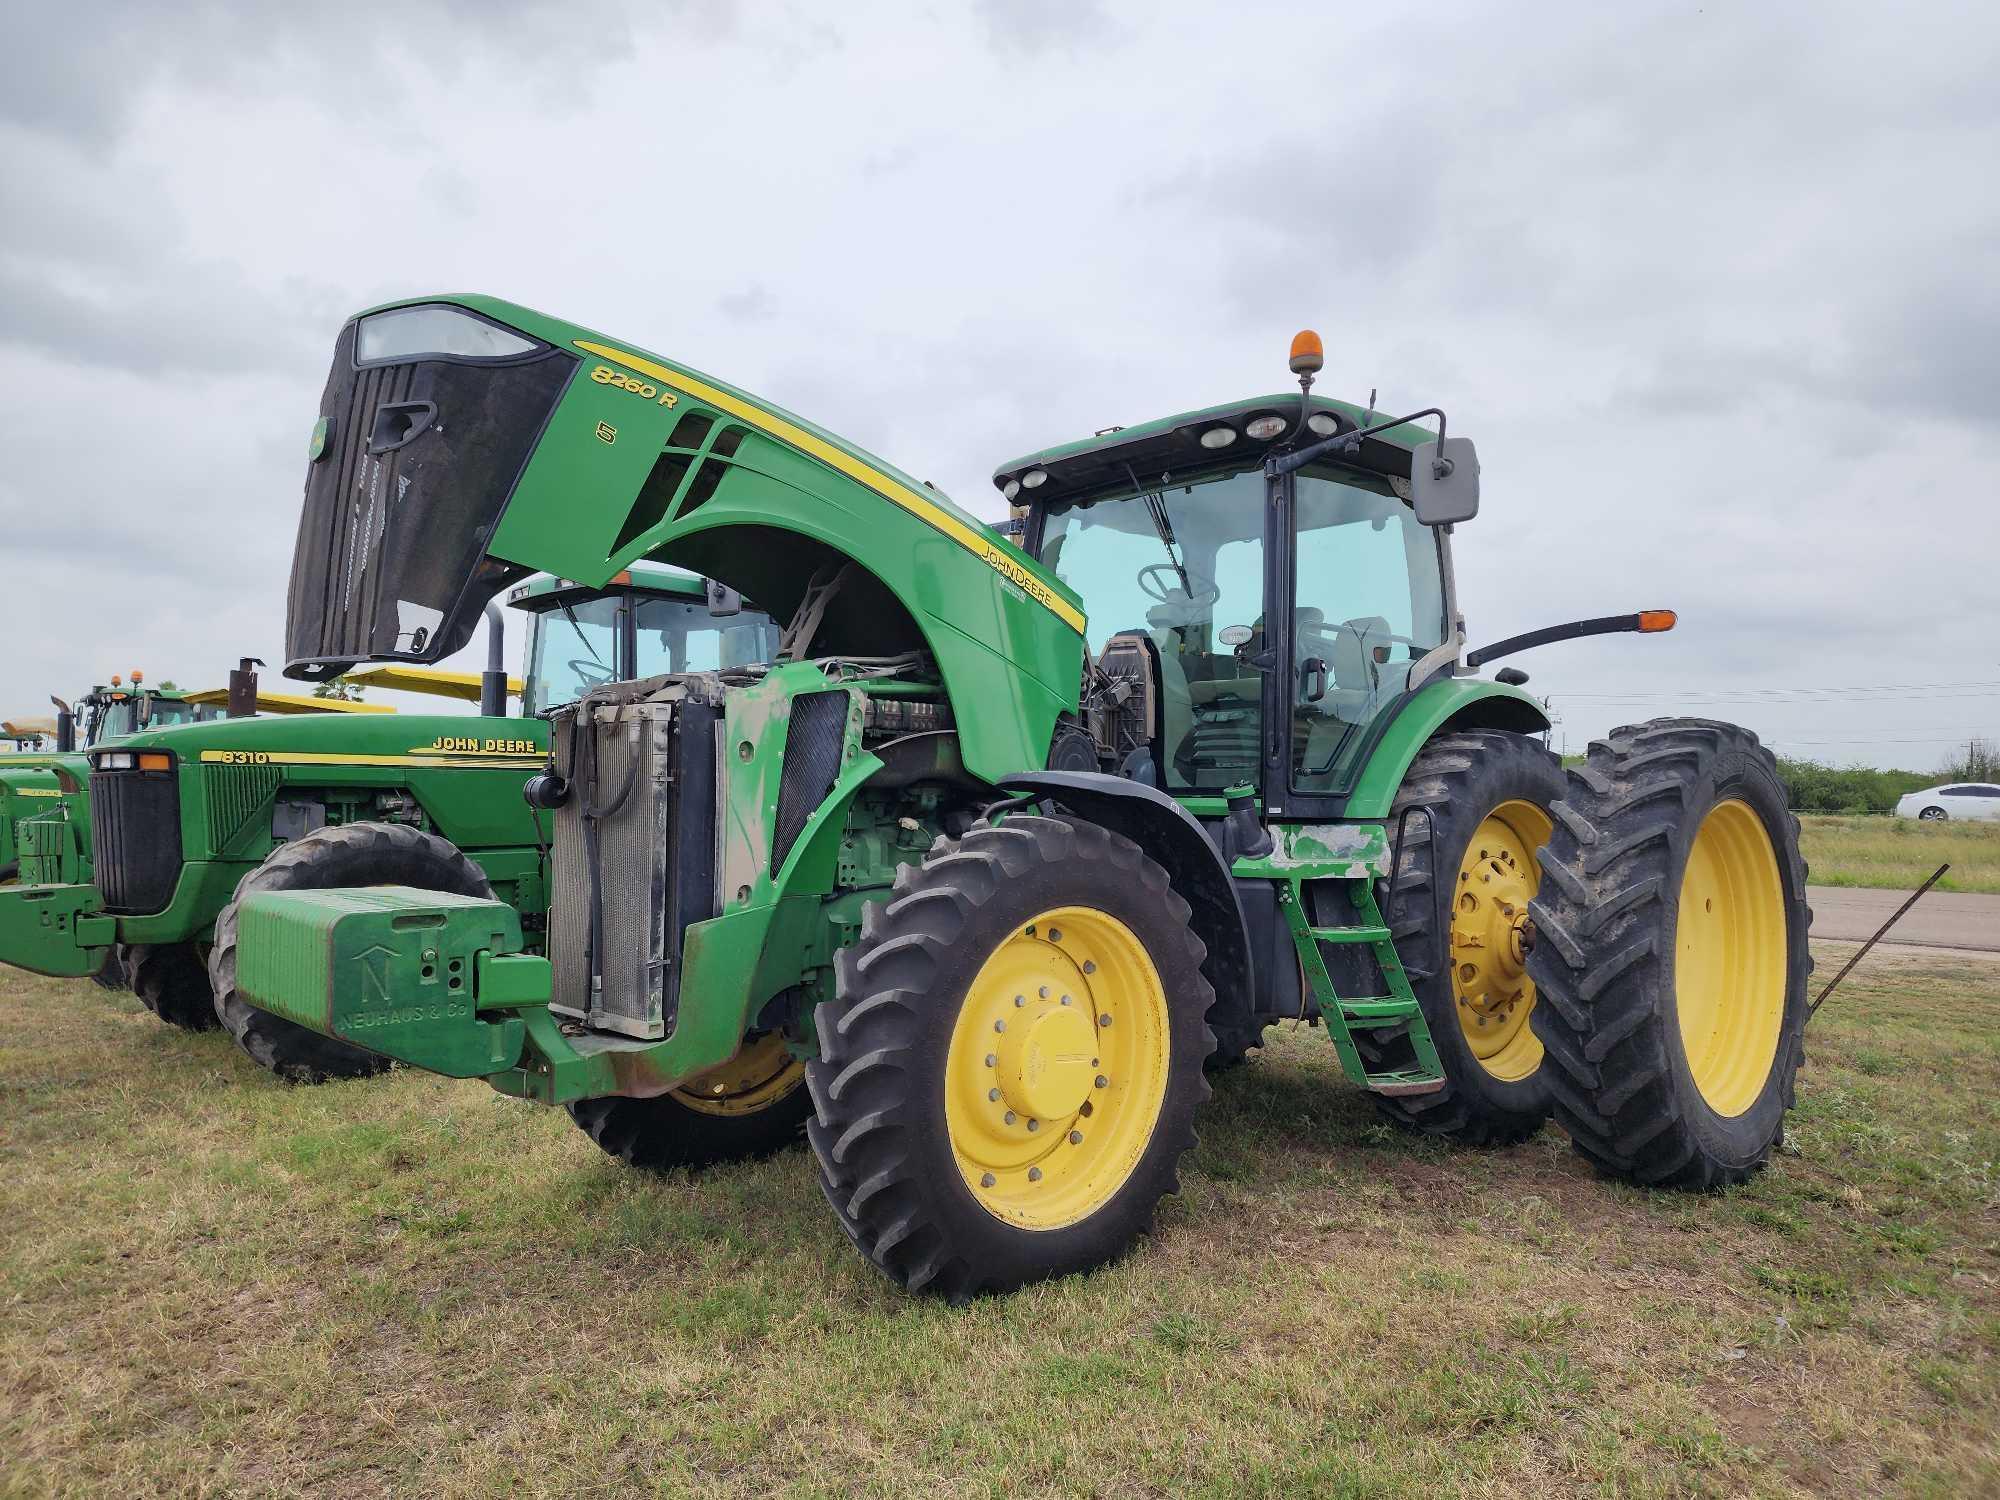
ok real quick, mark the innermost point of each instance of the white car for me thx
(1959, 799)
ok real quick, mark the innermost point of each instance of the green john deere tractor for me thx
(316, 791)
(1006, 843)
(44, 819)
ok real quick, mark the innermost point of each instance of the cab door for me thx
(1365, 601)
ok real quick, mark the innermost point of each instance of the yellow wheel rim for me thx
(1057, 1068)
(754, 1079)
(1489, 939)
(1729, 958)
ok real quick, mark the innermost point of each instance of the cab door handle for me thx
(1312, 680)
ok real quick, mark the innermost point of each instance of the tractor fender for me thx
(1448, 703)
(1169, 834)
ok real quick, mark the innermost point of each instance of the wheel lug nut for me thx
(1103, 1082)
(992, 1061)
(999, 1025)
(1089, 966)
(1019, 1001)
(994, 1095)
(1076, 1137)
(1034, 1174)
(1034, 1124)
(987, 1180)
(1055, 934)
(1065, 999)
(1105, 1019)
(1010, 1117)
(1043, 992)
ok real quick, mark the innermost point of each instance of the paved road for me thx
(1943, 919)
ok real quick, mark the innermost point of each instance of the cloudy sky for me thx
(1713, 285)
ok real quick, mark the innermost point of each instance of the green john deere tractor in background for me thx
(179, 817)
(44, 820)
(29, 789)
(1006, 843)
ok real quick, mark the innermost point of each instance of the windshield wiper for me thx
(1163, 525)
(570, 615)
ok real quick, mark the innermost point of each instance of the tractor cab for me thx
(648, 621)
(1244, 627)
(106, 713)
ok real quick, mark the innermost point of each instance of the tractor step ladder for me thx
(1342, 1016)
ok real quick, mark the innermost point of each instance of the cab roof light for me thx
(1218, 437)
(1308, 354)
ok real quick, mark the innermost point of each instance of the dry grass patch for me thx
(209, 1282)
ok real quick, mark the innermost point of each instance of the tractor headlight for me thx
(409, 332)
(1010, 489)
(117, 760)
(1263, 428)
(1325, 423)
(1218, 437)
(1034, 479)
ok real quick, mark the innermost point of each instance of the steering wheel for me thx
(1199, 590)
(589, 671)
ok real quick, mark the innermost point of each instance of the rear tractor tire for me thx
(170, 980)
(749, 1107)
(1672, 961)
(1010, 1066)
(352, 854)
(1485, 798)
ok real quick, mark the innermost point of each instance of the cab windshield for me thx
(571, 651)
(1186, 566)
(111, 717)
(623, 637)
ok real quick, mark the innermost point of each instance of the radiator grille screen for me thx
(135, 835)
(812, 760)
(647, 771)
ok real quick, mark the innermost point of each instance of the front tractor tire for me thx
(1459, 913)
(1672, 957)
(352, 854)
(1010, 1066)
(116, 975)
(749, 1107)
(170, 980)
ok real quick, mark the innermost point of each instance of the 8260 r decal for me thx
(618, 380)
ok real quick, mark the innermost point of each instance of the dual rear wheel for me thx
(1622, 946)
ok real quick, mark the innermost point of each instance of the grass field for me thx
(1900, 852)
(212, 1283)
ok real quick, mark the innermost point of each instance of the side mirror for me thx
(1444, 482)
(722, 599)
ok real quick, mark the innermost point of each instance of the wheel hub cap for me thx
(1490, 937)
(1044, 1065)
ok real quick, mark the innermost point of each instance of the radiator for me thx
(642, 811)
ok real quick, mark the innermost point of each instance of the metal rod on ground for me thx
(1936, 876)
